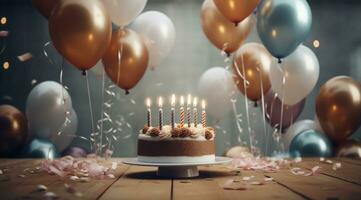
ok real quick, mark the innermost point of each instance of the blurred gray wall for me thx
(336, 24)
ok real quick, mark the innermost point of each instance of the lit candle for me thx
(160, 104)
(149, 117)
(204, 119)
(172, 111)
(181, 112)
(189, 101)
(195, 111)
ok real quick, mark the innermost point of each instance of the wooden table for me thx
(134, 182)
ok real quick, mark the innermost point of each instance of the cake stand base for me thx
(178, 172)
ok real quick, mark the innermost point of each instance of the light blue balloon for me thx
(311, 143)
(41, 149)
(283, 25)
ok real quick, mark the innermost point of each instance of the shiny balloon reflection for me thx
(41, 149)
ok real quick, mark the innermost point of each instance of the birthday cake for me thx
(180, 144)
(177, 143)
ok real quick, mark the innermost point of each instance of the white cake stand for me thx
(176, 170)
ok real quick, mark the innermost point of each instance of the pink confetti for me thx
(299, 172)
(25, 57)
(4, 33)
(229, 185)
(336, 166)
(259, 164)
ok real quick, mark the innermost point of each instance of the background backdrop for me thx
(336, 24)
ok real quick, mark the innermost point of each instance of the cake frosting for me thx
(179, 144)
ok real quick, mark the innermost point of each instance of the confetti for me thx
(336, 166)
(41, 188)
(297, 160)
(230, 185)
(268, 179)
(4, 33)
(21, 176)
(50, 195)
(25, 57)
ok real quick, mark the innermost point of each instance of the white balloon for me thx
(215, 85)
(46, 108)
(67, 132)
(295, 129)
(300, 71)
(122, 12)
(158, 32)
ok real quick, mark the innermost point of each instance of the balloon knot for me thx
(228, 54)
(255, 104)
(83, 72)
(126, 92)
(236, 24)
(279, 61)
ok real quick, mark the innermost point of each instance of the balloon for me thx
(80, 31)
(236, 10)
(349, 148)
(215, 85)
(296, 76)
(75, 152)
(221, 32)
(338, 107)
(254, 61)
(122, 12)
(67, 133)
(13, 130)
(158, 33)
(46, 109)
(273, 108)
(311, 143)
(41, 149)
(45, 6)
(295, 129)
(283, 25)
(126, 59)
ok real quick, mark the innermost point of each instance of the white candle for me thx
(189, 102)
(172, 111)
(204, 119)
(149, 117)
(160, 104)
(181, 112)
(195, 111)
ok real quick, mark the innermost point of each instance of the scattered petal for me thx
(50, 195)
(4, 33)
(298, 160)
(336, 166)
(22, 176)
(268, 179)
(25, 57)
(41, 188)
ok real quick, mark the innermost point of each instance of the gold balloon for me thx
(126, 58)
(349, 148)
(13, 130)
(252, 62)
(236, 10)
(220, 31)
(338, 107)
(45, 6)
(80, 31)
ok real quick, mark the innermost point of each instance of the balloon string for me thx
(283, 98)
(102, 109)
(90, 107)
(263, 106)
(3, 46)
(237, 121)
(246, 102)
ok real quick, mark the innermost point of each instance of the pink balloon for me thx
(273, 107)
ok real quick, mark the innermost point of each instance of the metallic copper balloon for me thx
(220, 31)
(349, 148)
(126, 59)
(252, 62)
(45, 6)
(80, 31)
(236, 10)
(13, 130)
(338, 107)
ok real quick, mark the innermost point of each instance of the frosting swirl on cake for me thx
(179, 132)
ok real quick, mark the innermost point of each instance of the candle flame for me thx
(148, 102)
(160, 101)
(189, 100)
(195, 102)
(173, 100)
(182, 100)
(203, 104)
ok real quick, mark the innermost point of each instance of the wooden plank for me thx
(348, 172)
(355, 161)
(317, 187)
(5, 163)
(209, 186)
(139, 183)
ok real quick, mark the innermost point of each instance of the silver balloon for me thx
(310, 143)
(297, 128)
(296, 76)
(41, 149)
(47, 107)
(283, 25)
(66, 133)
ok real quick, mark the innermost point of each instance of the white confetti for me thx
(41, 188)
(25, 57)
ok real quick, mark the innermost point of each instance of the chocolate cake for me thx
(179, 144)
